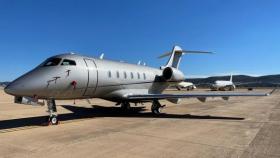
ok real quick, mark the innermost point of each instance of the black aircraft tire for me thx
(125, 106)
(156, 109)
(53, 120)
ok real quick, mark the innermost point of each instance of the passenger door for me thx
(92, 80)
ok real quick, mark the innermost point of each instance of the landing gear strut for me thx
(125, 105)
(156, 107)
(52, 112)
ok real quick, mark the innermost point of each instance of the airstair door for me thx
(92, 77)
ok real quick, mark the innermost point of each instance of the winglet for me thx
(268, 94)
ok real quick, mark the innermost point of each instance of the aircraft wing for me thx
(200, 96)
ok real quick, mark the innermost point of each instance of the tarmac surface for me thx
(241, 127)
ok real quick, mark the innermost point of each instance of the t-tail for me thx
(176, 54)
(171, 72)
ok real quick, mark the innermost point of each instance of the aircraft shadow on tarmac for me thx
(100, 111)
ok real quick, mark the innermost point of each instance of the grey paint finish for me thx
(92, 77)
(124, 84)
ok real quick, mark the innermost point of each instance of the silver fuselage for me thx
(89, 78)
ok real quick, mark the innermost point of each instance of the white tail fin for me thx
(176, 55)
(175, 58)
(230, 78)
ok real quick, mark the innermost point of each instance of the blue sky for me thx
(244, 34)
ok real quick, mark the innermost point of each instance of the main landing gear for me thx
(156, 107)
(125, 106)
(53, 120)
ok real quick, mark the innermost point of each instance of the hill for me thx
(4, 84)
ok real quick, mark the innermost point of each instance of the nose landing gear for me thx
(53, 120)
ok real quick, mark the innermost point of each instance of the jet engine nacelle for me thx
(172, 74)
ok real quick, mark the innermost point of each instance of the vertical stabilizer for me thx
(175, 58)
(230, 78)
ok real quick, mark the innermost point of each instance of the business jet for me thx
(223, 85)
(185, 85)
(72, 76)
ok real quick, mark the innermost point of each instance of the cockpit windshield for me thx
(51, 62)
(67, 62)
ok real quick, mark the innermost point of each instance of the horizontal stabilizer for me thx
(185, 52)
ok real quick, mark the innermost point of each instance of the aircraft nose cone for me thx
(10, 89)
(7, 90)
(27, 85)
(20, 87)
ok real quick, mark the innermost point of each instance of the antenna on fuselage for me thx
(101, 56)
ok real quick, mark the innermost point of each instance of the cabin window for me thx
(109, 74)
(144, 75)
(118, 74)
(67, 62)
(131, 75)
(125, 75)
(51, 62)
(138, 75)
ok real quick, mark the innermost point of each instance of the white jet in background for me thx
(223, 85)
(186, 85)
